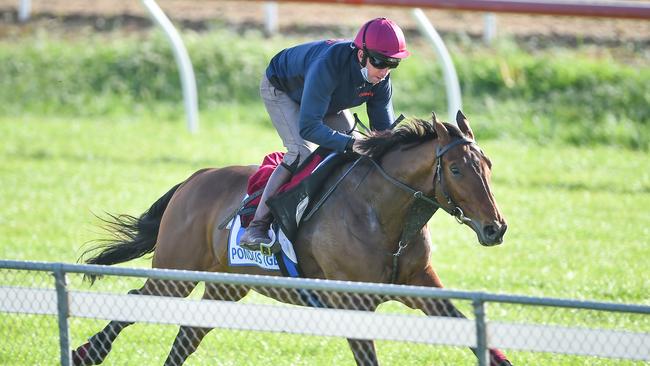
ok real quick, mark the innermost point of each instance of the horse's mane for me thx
(414, 131)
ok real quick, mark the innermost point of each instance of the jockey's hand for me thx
(356, 147)
(353, 147)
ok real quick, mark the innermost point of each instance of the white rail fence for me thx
(535, 325)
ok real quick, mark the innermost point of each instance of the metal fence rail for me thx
(26, 289)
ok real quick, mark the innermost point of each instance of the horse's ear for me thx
(463, 124)
(434, 118)
(441, 130)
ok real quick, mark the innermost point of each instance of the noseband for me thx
(423, 207)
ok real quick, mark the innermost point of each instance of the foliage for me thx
(555, 95)
(559, 95)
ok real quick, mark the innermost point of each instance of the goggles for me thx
(379, 61)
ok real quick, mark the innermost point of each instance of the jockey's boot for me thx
(257, 231)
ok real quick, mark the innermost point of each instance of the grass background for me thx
(87, 130)
(573, 232)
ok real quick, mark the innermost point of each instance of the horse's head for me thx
(462, 181)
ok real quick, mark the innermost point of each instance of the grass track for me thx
(579, 227)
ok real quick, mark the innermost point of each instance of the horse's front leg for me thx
(443, 307)
(363, 349)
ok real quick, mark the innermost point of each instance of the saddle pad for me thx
(289, 208)
(238, 256)
(284, 261)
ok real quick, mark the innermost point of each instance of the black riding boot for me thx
(257, 231)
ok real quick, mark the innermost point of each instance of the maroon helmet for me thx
(382, 38)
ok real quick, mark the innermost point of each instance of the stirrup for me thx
(269, 249)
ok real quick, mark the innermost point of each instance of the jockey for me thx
(307, 91)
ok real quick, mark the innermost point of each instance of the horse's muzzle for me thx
(492, 234)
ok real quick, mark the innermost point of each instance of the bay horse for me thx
(360, 223)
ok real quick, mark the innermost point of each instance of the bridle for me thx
(451, 208)
(423, 207)
(455, 210)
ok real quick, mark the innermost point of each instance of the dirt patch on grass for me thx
(321, 20)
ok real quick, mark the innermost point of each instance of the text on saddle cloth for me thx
(284, 261)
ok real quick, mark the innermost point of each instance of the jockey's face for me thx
(375, 75)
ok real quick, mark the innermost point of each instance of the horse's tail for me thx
(133, 237)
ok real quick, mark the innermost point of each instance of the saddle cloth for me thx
(284, 261)
(288, 207)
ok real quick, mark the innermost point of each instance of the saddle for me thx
(297, 198)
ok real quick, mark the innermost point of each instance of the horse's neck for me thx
(387, 202)
(413, 166)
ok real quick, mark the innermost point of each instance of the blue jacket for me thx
(324, 77)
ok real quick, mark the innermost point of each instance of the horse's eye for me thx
(454, 170)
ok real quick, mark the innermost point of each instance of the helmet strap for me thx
(364, 59)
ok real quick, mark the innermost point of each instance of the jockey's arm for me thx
(320, 83)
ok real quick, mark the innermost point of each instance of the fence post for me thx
(63, 312)
(271, 18)
(481, 335)
(24, 10)
(489, 28)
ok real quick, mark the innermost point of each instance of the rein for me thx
(423, 207)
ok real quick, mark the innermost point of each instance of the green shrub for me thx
(554, 95)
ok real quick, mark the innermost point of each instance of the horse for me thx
(435, 162)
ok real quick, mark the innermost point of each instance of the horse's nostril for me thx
(490, 231)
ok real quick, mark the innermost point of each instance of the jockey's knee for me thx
(291, 160)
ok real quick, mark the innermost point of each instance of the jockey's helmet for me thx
(382, 38)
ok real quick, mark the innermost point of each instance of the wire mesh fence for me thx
(133, 317)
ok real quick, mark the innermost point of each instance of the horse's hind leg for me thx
(443, 307)
(99, 345)
(189, 338)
